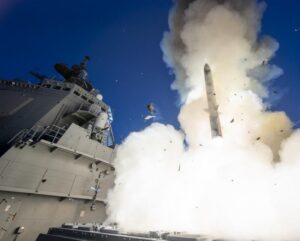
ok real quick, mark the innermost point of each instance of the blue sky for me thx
(123, 40)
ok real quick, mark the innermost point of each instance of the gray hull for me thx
(55, 164)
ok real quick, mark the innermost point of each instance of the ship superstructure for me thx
(56, 152)
(56, 148)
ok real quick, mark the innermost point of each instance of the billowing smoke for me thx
(244, 185)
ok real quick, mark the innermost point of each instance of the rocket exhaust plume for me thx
(212, 103)
(243, 185)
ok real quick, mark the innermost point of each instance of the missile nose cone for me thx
(206, 68)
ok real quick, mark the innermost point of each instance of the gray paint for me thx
(45, 181)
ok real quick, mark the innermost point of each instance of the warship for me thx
(56, 148)
(56, 160)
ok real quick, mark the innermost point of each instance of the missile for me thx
(212, 103)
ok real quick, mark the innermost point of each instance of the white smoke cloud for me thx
(241, 186)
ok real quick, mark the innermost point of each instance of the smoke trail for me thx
(242, 186)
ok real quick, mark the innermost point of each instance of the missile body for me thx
(212, 103)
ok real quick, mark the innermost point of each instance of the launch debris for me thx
(149, 117)
(151, 108)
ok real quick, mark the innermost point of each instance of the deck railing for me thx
(50, 133)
